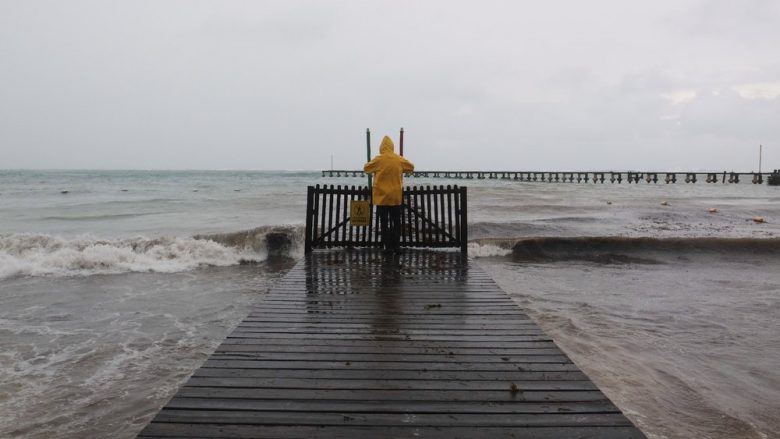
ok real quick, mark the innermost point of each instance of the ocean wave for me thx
(485, 229)
(26, 254)
(114, 216)
(267, 240)
(619, 249)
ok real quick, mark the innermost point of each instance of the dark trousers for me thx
(390, 221)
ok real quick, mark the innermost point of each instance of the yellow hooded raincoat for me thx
(387, 168)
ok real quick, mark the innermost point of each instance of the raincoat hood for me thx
(386, 146)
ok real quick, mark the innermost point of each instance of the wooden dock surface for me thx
(359, 345)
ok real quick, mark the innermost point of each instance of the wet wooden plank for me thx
(532, 357)
(350, 344)
(274, 343)
(376, 406)
(421, 354)
(198, 431)
(422, 367)
(355, 328)
(398, 395)
(291, 417)
(483, 327)
(382, 384)
(326, 374)
(236, 361)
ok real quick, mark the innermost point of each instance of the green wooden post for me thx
(368, 157)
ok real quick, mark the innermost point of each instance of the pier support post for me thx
(401, 142)
(309, 219)
(464, 228)
(368, 154)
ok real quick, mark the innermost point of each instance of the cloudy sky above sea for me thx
(516, 85)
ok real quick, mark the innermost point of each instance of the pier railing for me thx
(431, 216)
(723, 177)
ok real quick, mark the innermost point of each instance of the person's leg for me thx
(384, 225)
(395, 227)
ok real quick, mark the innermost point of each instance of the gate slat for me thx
(435, 216)
(449, 210)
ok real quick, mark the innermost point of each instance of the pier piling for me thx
(614, 177)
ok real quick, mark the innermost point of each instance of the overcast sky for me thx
(519, 85)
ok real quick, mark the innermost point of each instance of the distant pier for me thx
(654, 177)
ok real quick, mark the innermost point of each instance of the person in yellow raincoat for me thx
(388, 169)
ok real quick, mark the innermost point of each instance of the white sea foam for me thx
(479, 249)
(25, 254)
(45, 255)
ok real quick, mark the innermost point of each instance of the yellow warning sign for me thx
(359, 213)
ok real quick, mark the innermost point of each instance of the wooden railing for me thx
(430, 217)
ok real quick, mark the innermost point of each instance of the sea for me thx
(116, 285)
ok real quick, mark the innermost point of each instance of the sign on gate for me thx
(359, 213)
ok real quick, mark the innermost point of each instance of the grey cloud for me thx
(274, 85)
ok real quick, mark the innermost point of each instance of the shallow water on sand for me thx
(98, 356)
(687, 347)
(115, 291)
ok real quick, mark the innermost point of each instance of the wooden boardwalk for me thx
(357, 345)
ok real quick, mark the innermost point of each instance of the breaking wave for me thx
(27, 254)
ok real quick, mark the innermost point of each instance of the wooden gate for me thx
(430, 217)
